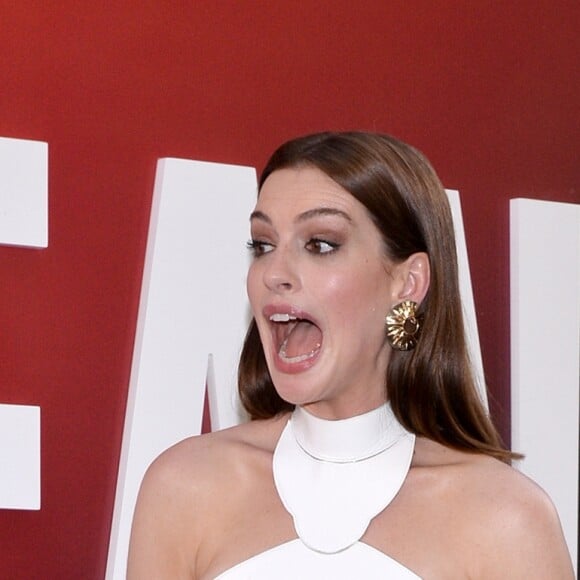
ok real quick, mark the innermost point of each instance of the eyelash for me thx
(257, 247)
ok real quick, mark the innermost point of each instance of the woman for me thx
(370, 454)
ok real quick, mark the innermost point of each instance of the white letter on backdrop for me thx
(466, 290)
(545, 346)
(20, 457)
(193, 304)
(23, 222)
(23, 192)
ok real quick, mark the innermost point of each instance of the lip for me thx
(271, 309)
(281, 364)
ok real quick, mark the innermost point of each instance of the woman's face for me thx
(320, 286)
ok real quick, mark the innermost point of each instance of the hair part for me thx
(431, 389)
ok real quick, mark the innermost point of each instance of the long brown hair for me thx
(431, 388)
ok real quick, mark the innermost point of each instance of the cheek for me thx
(356, 287)
(252, 286)
(337, 291)
(357, 298)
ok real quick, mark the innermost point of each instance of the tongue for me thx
(304, 338)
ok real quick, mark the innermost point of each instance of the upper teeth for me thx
(279, 317)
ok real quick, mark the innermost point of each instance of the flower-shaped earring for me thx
(403, 325)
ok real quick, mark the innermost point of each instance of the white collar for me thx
(345, 440)
(333, 477)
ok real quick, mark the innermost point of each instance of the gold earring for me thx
(403, 325)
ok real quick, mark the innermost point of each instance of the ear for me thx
(415, 275)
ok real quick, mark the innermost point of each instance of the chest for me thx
(417, 529)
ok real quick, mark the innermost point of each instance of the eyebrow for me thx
(306, 215)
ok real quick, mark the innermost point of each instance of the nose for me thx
(280, 272)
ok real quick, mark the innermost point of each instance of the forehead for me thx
(299, 189)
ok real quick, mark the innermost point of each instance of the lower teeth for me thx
(298, 358)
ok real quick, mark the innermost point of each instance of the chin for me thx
(296, 393)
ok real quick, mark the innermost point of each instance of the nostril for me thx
(278, 280)
(279, 274)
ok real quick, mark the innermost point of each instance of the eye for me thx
(259, 247)
(318, 246)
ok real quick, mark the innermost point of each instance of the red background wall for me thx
(488, 90)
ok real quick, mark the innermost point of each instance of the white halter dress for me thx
(334, 477)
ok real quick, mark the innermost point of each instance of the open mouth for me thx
(296, 339)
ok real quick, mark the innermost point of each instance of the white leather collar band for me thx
(333, 477)
(346, 440)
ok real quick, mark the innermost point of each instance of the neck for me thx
(336, 411)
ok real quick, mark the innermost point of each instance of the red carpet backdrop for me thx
(488, 91)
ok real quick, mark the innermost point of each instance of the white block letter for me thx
(23, 193)
(193, 304)
(19, 457)
(545, 345)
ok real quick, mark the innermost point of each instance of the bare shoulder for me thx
(196, 469)
(189, 489)
(197, 461)
(509, 522)
(524, 533)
